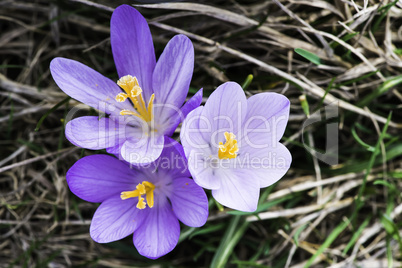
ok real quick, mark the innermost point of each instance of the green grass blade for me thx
(248, 264)
(247, 82)
(297, 234)
(207, 229)
(51, 111)
(390, 259)
(326, 93)
(383, 11)
(345, 38)
(186, 233)
(362, 143)
(304, 105)
(356, 235)
(391, 228)
(386, 184)
(235, 231)
(385, 87)
(359, 202)
(9, 66)
(334, 235)
(308, 55)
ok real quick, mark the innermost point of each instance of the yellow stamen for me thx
(121, 97)
(229, 149)
(145, 188)
(149, 194)
(128, 112)
(141, 204)
(134, 92)
(151, 104)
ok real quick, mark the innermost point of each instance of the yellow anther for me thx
(145, 188)
(141, 204)
(229, 149)
(141, 189)
(136, 91)
(128, 112)
(133, 91)
(128, 83)
(121, 97)
(129, 194)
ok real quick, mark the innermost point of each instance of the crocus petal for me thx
(132, 46)
(267, 165)
(172, 76)
(159, 233)
(172, 160)
(224, 110)
(198, 150)
(191, 104)
(267, 113)
(204, 170)
(115, 219)
(192, 133)
(189, 202)
(238, 190)
(95, 178)
(144, 150)
(86, 85)
(92, 133)
(115, 150)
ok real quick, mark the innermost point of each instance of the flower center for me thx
(229, 149)
(145, 188)
(134, 92)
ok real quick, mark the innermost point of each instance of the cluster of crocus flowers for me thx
(230, 145)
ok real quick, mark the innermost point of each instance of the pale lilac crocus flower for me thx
(146, 103)
(145, 200)
(232, 144)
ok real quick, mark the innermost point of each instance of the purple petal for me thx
(159, 233)
(97, 177)
(172, 76)
(143, 150)
(269, 113)
(92, 133)
(192, 132)
(172, 159)
(191, 104)
(132, 46)
(224, 110)
(203, 169)
(115, 219)
(190, 203)
(238, 190)
(266, 165)
(86, 85)
(115, 150)
(198, 150)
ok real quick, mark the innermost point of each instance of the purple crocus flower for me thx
(232, 144)
(145, 105)
(147, 200)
